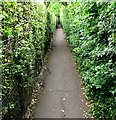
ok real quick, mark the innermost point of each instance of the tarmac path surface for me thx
(62, 96)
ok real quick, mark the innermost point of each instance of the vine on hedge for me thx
(90, 29)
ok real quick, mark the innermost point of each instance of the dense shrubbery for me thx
(50, 27)
(25, 37)
(54, 7)
(90, 28)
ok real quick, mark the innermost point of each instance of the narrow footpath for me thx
(62, 96)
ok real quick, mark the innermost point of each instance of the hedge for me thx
(50, 27)
(25, 36)
(90, 28)
(54, 7)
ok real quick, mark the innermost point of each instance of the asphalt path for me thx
(62, 96)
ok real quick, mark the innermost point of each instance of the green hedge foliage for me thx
(25, 37)
(50, 27)
(90, 29)
(54, 7)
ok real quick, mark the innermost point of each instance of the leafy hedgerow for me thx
(54, 7)
(90, 29)
(24, 30)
